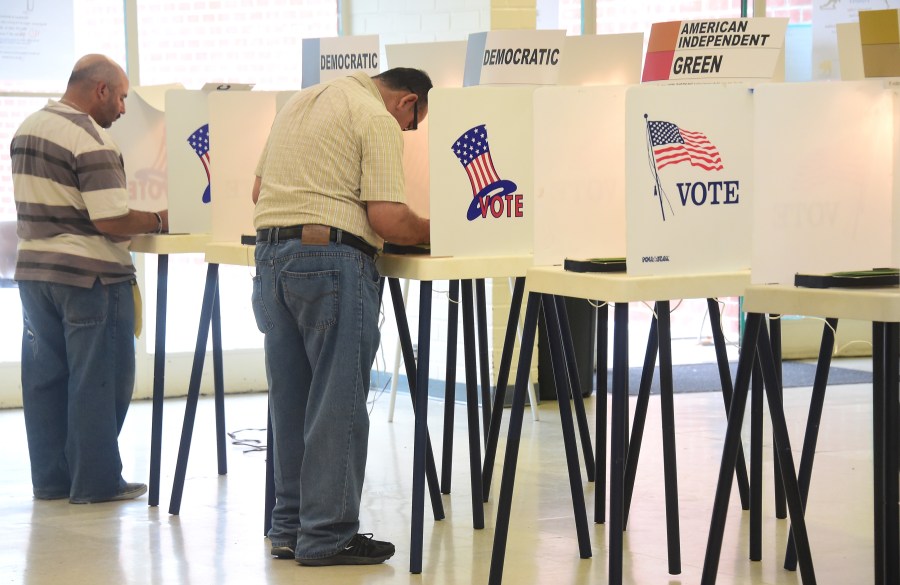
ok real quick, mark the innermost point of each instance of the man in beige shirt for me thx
(329, 189)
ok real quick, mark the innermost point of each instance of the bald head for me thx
(92, 69)
(98, 86)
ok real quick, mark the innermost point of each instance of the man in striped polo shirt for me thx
(329, 189)
(75, 279)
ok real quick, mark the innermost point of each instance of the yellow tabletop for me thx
(619, 287)
(428, 268)
(170, 243)
(862, 304)
(230, 253)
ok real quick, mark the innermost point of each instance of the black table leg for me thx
(730, 449)
(891, 454)
(159, 377)
(775, 334)
(715, 321)
(421, 428)
(450, 387)
(640, 413)
(886, 379)
(504, 505)
(218, 384)
(816, 406)
(575, 385)
(667, 414)
(493, 433)
(757, 401)
(472, 405)
(190, 411)
(409, 361)
(772, 381)
(600, 414)
(483, 359)
(618, 447)
(562, 375)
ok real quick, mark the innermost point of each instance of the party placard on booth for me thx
(481, 161)
(514, 57)
(329, 58)
(141, 136)
(824, 162)
(689, 178)
(444, 62)
(716, 50)
(879, 32)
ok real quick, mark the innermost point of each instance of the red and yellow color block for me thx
(661, 50)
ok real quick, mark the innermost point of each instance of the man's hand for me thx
(134, 223)
(397, 223)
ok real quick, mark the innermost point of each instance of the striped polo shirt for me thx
(332, 148)
(67, 172)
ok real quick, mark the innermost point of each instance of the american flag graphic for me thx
(473, 152)
(673, 145)
(199, 141)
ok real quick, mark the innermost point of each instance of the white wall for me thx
(415, 21)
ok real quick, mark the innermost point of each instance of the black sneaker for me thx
(361, 550)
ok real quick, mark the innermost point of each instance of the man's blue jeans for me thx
(77, 383)
(318, 308)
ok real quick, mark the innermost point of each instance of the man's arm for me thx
(397, 223)
(133, 223)
(255, 194)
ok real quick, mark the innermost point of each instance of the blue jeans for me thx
(318, 308)
(77, 382)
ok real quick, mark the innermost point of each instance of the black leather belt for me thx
(315, 235)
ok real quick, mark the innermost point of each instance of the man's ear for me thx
(408, 100)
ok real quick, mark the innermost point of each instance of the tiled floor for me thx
(218, 536)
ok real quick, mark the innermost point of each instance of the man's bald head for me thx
(98, 86)
(95, 68)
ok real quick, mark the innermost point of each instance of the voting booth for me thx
(239, 124)
(444, 62)
(824, 179)
(579, 155)
(689, 178)
(826, 165)
(480, 145)
(658, 173)
(141, 137)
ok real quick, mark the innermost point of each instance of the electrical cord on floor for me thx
(250, 444)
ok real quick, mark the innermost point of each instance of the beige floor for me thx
(218, 536)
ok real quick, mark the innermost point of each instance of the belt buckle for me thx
(315, 235)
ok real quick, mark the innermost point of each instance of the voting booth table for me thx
(825, 215)
(665, 174)
(168, 146)
(148, 161)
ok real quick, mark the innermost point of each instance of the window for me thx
(189, 43)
